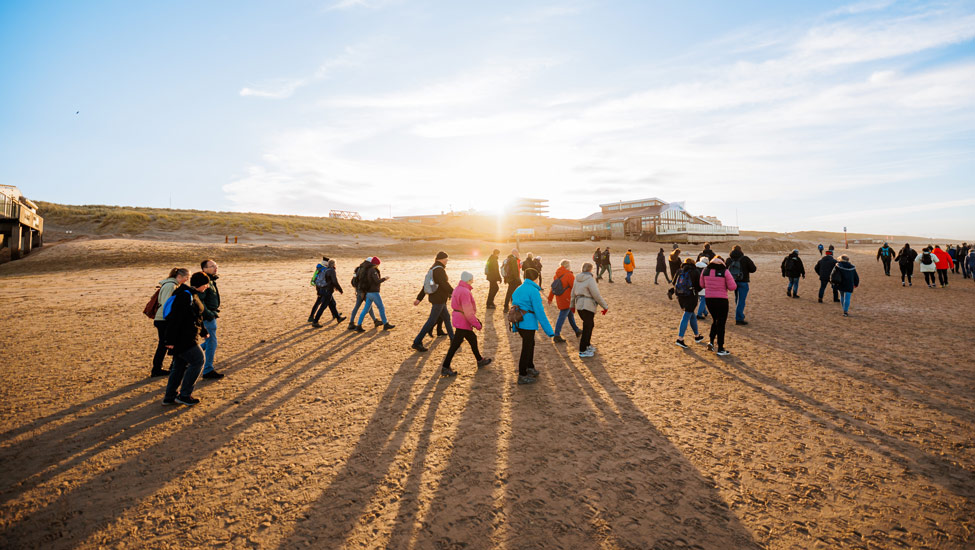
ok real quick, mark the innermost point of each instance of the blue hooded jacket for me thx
(528, 298)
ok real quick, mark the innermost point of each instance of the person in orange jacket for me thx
(628, 265)
(944, 264)
(563, 300)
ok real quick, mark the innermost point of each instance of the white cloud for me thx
(897, 210)
(283, 88)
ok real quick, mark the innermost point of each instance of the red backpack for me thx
(153, 305)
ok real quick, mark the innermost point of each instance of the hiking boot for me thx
(351, 326)
(788, 293)
(532, 372)
(490, 306)
(213, 375)
(418, 347)
(681, 343)
(820, 300)
(155, 373)
(700, 317)
(903, 283)
(845, 314)
(723, 352)
(311, 319)
(698, 339)
(558, 339)
(578, 334)
(169, 401)
(710, 346)
(377, 323)
(484, 362)
(741, 322)
(187, 400)
(670, 294)
(388, 326)
(522, 380)
(316, 324)
(795, 295)
(447, 372)
(440, 333)
(358, 328)
(339, 319)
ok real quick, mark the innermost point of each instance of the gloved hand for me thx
(604, 311)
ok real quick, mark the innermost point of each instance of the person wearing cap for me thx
(465, 320)
(628, 265)
(371, 282)
(359, 283)
(716, 280)
(661, 267)
(793, 269)
(564, 300)
(886, 254)
(849, 280)
(438, 293)
(211, 302)
(528, 298)
(824, 268)
(511, 270)
(183, 325)
(586, 299)
(492, 269)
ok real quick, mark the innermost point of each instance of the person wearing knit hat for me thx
(717, 280)
(492, 270)
(370, 281)
(465, 322)
(436, 287)
(793, 269)
(511, 271)
(184, 324)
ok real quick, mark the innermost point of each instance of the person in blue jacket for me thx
(845, 279)
(528, 298)
(970, 263)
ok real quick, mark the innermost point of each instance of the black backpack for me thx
(735, 268)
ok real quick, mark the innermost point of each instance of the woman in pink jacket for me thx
(716, 280)
(464, 319)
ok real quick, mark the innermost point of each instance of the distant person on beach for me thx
(929, 266)
(963, 252)
(824, 268)
(953, 254)
(538, 268)
(905, 260)
(597, 260)
(529, 263)
(327, 283)
(211, 301)
(563, 283)
(319, 268)
(793, 269)
(845, 278)
(885, 254)
(706, 253)
(702, 306)
(945, 263)
(606, 265)
(716, 281)
(511, 270)
(177, 277)
(528, 298)
(492, 270)
(741, 268)
(820, 249)
(970, 263)
(687, 285)
(184, 324)
(661, 267)
(360, 294)
(585, 300)
(370, 281)
(465, 322)
(674, 260)
(629, 264)
(437, 289)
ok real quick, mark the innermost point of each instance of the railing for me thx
(9, 208)
(697, 229)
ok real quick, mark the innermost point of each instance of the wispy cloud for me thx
(897, 210)
(283, 88)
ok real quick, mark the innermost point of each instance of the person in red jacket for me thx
(564, 300)
(944, 264)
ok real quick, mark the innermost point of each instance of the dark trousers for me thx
(325, 299)
(674, 268)
(822, 290)
(460, 335)
(886, 261)
(527, 359)
(492, 292)
(438, 312)
(929, 277)
(943, 276)
(511, 290)
(719, 316)
(906, 272)
(588, 323)
(186, 368)
(160, 355)
(657, 276)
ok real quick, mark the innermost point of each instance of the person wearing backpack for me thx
(793, 269)
(741, 268)
(465, 320)
(905, 260)
(945, 263)
(319, 269)
(628, 265)
(661, 267)
(360, 294)
(606, 264)
(824, 268)
(597, 260)
(845, 279)
(177, 277)
(436, 287)
(716, 281)
(492, 270)
(211, 302)
(561, 292)
(327, 283)
(675, 262)
(929, 266)
(527, 298)
(707, 254)
(687, 284)
(953, 254)
(885, 254)
(370, 281)
(184, 314)
(585, 299)
(970, 263)
(511, 270)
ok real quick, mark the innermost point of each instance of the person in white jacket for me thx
(585, 299)
(929, 266)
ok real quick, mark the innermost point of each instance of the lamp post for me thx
(846, 241)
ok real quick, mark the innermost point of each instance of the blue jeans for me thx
(210, 345)
(741, 294)
(688, 317)
(845, 300)
(437, 312)
(563, 315)
(628, 275)
(373, 298)
(359, 299)
(184, 372)
(702, 309)
(793, 285)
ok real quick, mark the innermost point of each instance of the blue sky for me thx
(780, 115)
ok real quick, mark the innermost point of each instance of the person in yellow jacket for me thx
(628, 265)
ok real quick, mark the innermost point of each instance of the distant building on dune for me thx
(528, 207)
(656, 220)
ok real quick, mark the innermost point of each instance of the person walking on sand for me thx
(327, 282)
(707, 254)
(529, 263)
(184, 322)
(465, 322)
(846, 279)
(211, 303)
(538, 268)
(528, 299)
(674, 261)
(360, 295)
(585, 299)
(597, 260)
(716, 280)
(929, 266)
(607, 264)
(963, 260)
(885, 254)
(793, 269)
(702, 307)
(436, 287)
(562, 284)
(177, 277)
(824, 268)
(661, 267)
(687, 284)
(970, 263)
(319, 268)
(945, 263)
(628, 265)
(905, 260)
(953, 254)
(370, 281)
(511, 270)
(820, 249)
(492, 270)
(741, 268)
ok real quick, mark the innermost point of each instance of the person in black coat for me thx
(438, 302)
(688, 301)
(823, 268)
(327, 283)
(512, 276)
(184, 325)
(905, 260)
(674, 261)
(741, 268)
(845, 279)
(706, 253)
(793, 269)
(492, 269)
(885, 253)
(661, 267)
